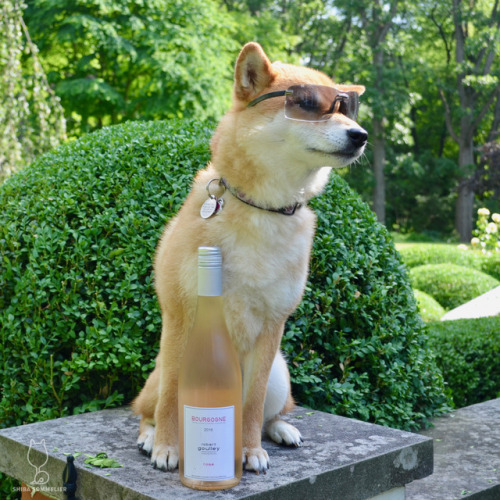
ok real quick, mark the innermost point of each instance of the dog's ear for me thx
(253, 72)
(359, 89)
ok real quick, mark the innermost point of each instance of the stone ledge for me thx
(466, 456)
(346, 458)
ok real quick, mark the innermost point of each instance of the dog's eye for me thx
(309, 102)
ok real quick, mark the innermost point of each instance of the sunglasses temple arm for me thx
(278, 93)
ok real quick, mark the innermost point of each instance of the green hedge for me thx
(356, 345)
(78, 315)
(78, 230)
(419, 254)
(451, 285)
(468, 353)
(491, 265)
(429, 308)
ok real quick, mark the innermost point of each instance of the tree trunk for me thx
(464, 208)
(378, 142)
(379, 132)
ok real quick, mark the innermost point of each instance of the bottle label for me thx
(209, 443)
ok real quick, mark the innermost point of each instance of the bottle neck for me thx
(209, 281)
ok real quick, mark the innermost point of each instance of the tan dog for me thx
(271, 154)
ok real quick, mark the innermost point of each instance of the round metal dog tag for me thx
(208, 208)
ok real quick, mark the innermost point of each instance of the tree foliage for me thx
(113, 61)
(31, 117)
(119, 60)
(406, 55)
(476, 29)
(429, 68)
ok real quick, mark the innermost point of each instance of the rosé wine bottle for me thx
(210, 397)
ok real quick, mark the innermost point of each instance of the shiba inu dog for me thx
(271, 153)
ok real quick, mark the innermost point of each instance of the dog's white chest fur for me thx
(265, 272)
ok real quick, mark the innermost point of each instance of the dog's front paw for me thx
(146, 440)
(165, 457)
(282, 432)
(256, 459)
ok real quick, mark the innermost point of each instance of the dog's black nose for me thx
(358, 136)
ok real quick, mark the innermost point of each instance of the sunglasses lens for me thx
(353, 105)
(317, 103)
(304, 102)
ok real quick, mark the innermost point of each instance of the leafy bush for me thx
(491, 265)
(467, 352)
(78, 230)
(429, 236)
(429, 308)
(451, 285)
(419, 254)
(356, 345)
(78, 315)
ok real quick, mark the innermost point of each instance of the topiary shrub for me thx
(467, 352)
(356, 345)
(79, 320)
(78, 231)
(419, 254)
(490, 264)
(451, 285)
(429, 308)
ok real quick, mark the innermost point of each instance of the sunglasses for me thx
(314, 103)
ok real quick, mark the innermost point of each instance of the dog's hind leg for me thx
(165, 454)
(144, 405)
(278, 402)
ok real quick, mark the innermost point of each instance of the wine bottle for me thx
(210, 397)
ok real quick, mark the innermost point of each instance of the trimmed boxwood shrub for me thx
(78, 315)
(451, 285)
(419, 254)
(468, 353)
(429, 308)
(356, 345)
(78, 231)
(491, 265)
